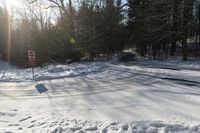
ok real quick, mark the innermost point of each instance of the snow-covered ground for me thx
(140, 97)
(10, 73)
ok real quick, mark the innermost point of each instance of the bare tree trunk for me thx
(184, 51)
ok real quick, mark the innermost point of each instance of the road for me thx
(118, 93)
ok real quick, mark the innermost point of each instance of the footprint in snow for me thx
(73, 129)
(91, 129)
(31, 126)
(25, 119)
(40, 124)
(13, 125)
(33, 121)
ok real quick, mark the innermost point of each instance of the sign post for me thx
(31, 60)
(33, 72)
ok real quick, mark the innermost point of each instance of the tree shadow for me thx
(173, 92)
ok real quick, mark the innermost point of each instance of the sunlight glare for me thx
(14, 3)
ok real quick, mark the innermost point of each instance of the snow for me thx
(10, 73)
(142, 97)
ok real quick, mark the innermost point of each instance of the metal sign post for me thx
(33, 72)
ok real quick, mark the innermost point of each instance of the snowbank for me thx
(10, 73)
(51, 123)
(176, 63)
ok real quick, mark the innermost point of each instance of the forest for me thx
(58, 30)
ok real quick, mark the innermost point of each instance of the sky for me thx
(18, 3)
(12, 3)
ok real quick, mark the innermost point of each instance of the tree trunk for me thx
(184, 49)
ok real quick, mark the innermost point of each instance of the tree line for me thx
(97, 29)
(165, 28)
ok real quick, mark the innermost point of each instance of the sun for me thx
(14, 3)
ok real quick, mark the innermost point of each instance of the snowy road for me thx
(119, 98)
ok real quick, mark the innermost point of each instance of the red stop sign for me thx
(31, 58)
